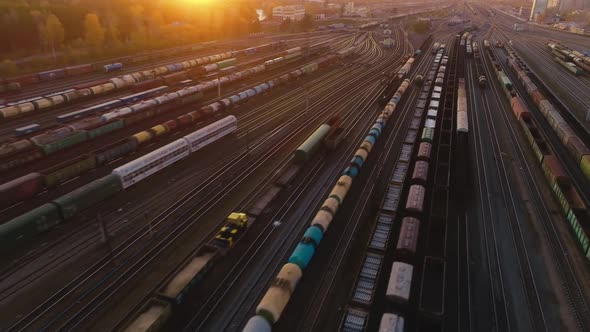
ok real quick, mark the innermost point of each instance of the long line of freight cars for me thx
(122, 82)
(15, 84)
(273, 303)
(570, 59)
(95, 125)
(153, 314)
(572, 205)
(402, 274)
(576, 147)
(61, 209)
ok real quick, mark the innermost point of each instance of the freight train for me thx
(65, 207)
(16, 83)
(573, 207)
(276, 298)
(48, 215)
(27, 150)
(196, 67)
(401, 276)
(567, 55)
(573, 143)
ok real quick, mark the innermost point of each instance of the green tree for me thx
(94, 33)
(285, 25)
(53, 33)
(306, 23)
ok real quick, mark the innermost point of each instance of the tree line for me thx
(89, 28)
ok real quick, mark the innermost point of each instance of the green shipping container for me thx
(99, 131)
(427, 135)
(73, 139)
(88, 195)
(227, 63)
(28, 225)
(68, 170)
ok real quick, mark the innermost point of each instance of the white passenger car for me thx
(140, 168)
(211, 133)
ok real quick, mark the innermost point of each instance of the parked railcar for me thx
(20, 189)
(26, 130)
(150, 317)
(28, 225)
(183, 279)
(144, 94)
(400, 282)
(391, 323)
(113, 67)
(415, 201)
(91, 110)
(408, 237)
(211, 133)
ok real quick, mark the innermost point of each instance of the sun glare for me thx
(199, 2)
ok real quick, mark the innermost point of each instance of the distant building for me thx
(538, 8)
(293, 12)
(351, 11)
(567, 5)
(320, 17)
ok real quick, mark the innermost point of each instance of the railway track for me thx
(250, 123)
(240, 307)
(573, 91)
(95, 144)
(509, 204)
(561, 262)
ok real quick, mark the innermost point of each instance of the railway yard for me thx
(315, 181)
